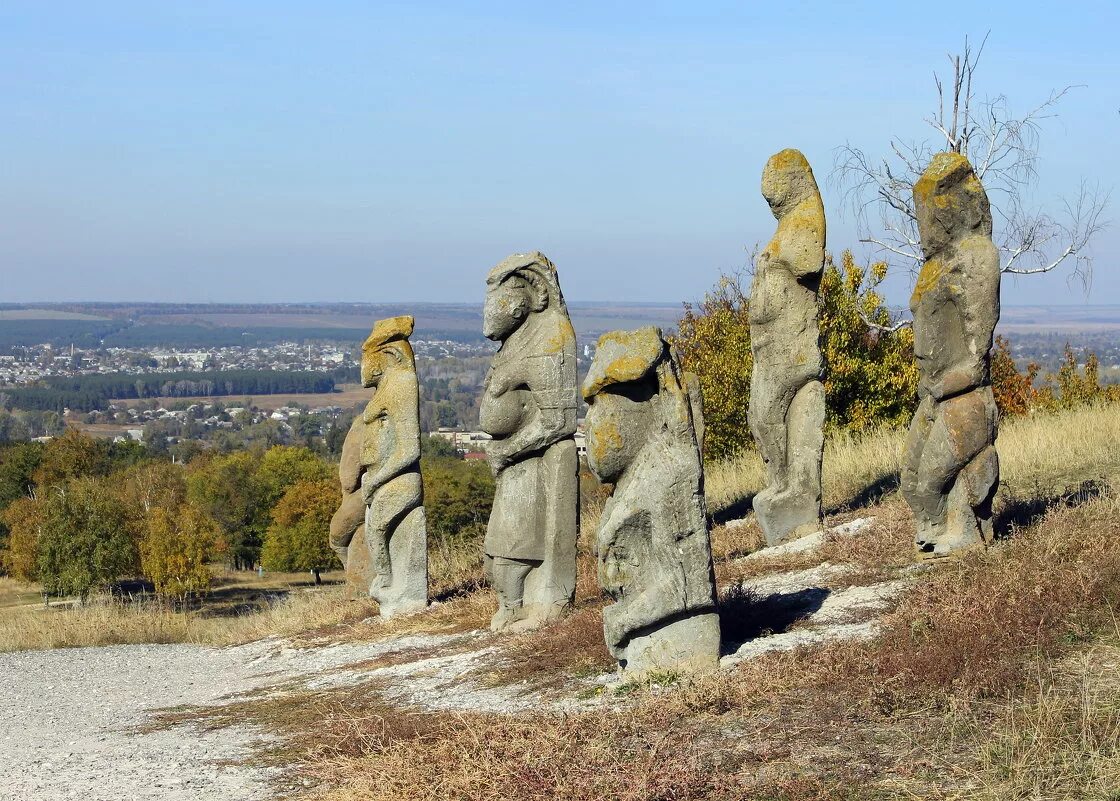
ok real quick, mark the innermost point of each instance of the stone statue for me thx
(655, 557)
(787, 396)
(529, 407)
(381, 466)
(950, 467)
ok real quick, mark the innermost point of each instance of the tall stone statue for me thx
(787, 396)
(380, 467)
(655, 557)
(950, 467)
(529, 407)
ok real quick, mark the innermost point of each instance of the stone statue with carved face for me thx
(529, 407)
(381, 466)
(653, 545)
(951, 470)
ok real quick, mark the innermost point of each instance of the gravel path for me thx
(69, 718)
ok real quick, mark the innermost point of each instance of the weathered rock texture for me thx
(380, 476)
(787, 396)
(529, 407)
(655, 556)
(950, 468)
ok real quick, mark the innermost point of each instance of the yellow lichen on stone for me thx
(940, 167)
(556, 342)
(630, 355)
(931, 273)
(607, 438)
(388, 330)
(788, 159)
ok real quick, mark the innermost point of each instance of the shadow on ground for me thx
(735, 511)
(745, 616)
(870, 495)
(1023, 512)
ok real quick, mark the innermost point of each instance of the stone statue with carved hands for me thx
(529, 407)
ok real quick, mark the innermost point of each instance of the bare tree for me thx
(1003, 149)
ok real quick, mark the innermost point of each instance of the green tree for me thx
(18, 463)
(284, 465)
(85, 541)
(175, 549)
(437, 446)
(457, 498)
(297, 538)
(226, 488)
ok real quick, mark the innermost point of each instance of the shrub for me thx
(175, 550)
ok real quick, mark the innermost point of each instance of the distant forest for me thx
(89, 392)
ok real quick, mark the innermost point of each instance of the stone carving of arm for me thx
(350, 463)
(399, 444)
(979, 311)
(556, 411)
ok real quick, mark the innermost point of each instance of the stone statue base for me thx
(533, 592)
(949, 448)
(406, 589)
(686, 645)
(790, 507)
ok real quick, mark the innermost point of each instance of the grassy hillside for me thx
(993, 676)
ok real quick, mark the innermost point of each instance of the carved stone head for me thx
(787, 180)
(634, 391)
(950, 203)
(521, 285)
(387, 349)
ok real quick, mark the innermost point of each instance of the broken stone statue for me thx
(529, 407)
(380, 476)
(787, 397)
(654, 552)
(950, 469)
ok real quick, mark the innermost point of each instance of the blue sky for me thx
(273, 151)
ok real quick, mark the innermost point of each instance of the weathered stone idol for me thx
(787, 396)
(950, 467)
(529, 407)
(381, 466)
(654, 552)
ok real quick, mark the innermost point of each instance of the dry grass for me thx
(857, 470)
(552, 655)
(1042, 458)
(1046, 456)
(17, 593)
(106, 621)
(990, 680)
(1062, 741)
